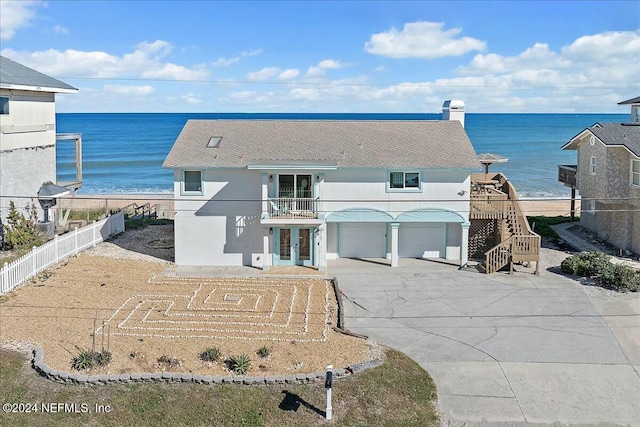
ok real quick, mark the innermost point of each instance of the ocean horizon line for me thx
(345, 114)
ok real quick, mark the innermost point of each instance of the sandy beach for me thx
(162, 201)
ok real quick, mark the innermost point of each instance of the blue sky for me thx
(330, 56)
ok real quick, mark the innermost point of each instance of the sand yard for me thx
(141, 315)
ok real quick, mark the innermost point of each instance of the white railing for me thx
(58, 249)
(292, 207)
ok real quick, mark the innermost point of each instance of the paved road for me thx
(505, 350)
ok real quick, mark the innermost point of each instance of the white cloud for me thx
(604, 46)
(592, 61)
(146, 61)
(330, 64)
(225, 62)
(288, 74)
(315, 72)
(15, 15)
(264, 74)
(422, 40)
(129, 90)
(59, 29)
(190, 98)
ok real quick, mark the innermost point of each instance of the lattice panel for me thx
(483, 235)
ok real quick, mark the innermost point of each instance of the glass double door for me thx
(294, 246)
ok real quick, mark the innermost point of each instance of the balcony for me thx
(292, 208)
(567, 175)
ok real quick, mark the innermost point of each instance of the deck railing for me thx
(494, 197)
(292, 207)
(58, 249)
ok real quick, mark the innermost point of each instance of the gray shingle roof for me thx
(347, 143)
(612, 134)
(635, 100)
(12, 73)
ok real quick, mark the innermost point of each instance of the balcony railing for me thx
(567, 175)
(292, 207)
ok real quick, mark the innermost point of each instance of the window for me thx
(593, 165)
(192, 182)
(635, 173)
(4, 105)
(404, 180)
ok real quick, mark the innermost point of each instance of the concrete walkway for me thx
(505, 350)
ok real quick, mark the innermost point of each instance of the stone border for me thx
(78, 378)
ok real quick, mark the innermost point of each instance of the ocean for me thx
(123, 152)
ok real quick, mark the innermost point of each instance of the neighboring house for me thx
(28, 139)
(301, 192)
(607, 176)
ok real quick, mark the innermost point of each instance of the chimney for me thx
(453, 109)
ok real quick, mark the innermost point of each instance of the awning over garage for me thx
(430, 215)
(359, 215)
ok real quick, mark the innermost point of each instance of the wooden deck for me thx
(494, 198)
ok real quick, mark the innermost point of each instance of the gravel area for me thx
(121, 283)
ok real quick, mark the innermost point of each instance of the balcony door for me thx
(293, 246)
(298, 188)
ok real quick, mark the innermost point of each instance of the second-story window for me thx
(400, 180)
(4, 105)
(635, 173)
(192, 182)
(593, 165)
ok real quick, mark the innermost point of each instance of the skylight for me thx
(214, 142)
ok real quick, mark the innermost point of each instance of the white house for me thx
(28, 160)
(301, 192)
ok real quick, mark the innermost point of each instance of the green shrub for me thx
(570, 265)
(19, 230)
(620, 278)
(102, 358)
(586, 264)
(608, 275)
(211, 354)
(263, 351)
(239, 364)
(84, 360)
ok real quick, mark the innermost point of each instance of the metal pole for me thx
(327, 385)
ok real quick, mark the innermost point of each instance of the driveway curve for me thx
(504, 350)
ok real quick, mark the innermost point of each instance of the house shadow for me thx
(292, 402)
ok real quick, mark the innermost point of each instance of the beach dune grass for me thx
(399, 392)
(542, 224)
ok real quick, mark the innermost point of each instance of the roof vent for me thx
(214, 142)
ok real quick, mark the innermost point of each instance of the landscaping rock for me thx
(247, 380)
(104, 378)
(207, 379)
(270, 380)
(359, 367)
(146, 376)
(157, 376)
(290, 379)
(238, 380)
(136, 377)
(197, 378)
(280, 379)
(227, 379)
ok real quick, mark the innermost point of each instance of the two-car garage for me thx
(369, 234)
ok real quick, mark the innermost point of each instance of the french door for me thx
(294, 246)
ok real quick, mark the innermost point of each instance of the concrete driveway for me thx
(504, 350)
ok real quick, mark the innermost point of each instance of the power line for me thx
(339, 84)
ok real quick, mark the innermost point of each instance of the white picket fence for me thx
(58, 249)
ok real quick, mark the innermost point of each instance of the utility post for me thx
(327, 385)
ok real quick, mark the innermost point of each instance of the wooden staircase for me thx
(499, 202)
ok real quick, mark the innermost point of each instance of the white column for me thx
(394, 244)
(464, 245)
(322, 247)
(265, 249)
(265, 193)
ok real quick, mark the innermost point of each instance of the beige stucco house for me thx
(29, 143)
(607, 177)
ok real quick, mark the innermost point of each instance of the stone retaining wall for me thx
(79, 378)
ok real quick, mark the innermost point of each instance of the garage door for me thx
(362, 240)
(421, 240)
